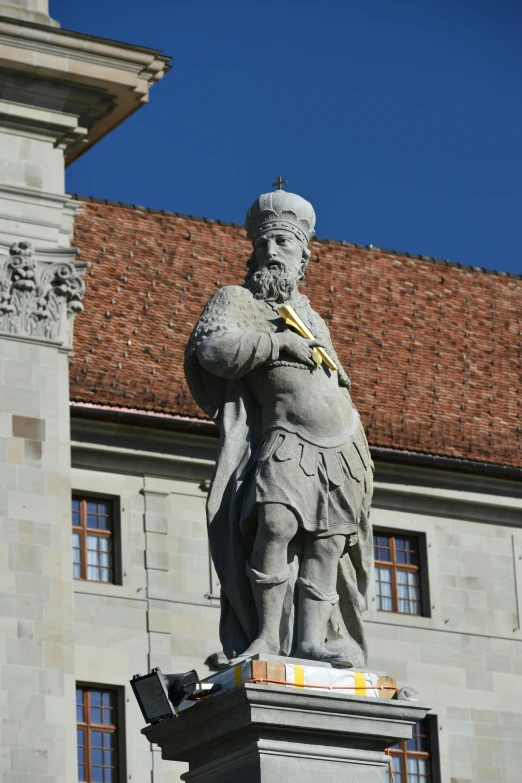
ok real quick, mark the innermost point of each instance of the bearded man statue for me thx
(289, 503)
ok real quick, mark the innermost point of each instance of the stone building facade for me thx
(435, 374)
(106, 460)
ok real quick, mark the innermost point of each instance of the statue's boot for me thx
(269, 594)
(315, 608)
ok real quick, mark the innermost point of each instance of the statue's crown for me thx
(280, 209)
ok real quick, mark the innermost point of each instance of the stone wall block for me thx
(15, 451)
(156, 523)
(18, 373)
(24, 706)
(51, 682)
(31, 480)
(21, 607)
(16, 399)
(24, 652)
(22, 679)
(8, 477)
(25, 629)
(29, 427)
(157, 559)
(28, 761)
(25, 557)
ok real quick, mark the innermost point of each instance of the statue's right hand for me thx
(298, 347)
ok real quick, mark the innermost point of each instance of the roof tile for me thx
(434, 348)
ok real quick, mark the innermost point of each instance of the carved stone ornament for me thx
(39, 298)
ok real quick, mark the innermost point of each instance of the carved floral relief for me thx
(38, 298)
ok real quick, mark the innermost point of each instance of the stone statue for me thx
(288, 507)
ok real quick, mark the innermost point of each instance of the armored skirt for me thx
(324, 482)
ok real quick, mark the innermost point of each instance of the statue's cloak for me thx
(229, 402)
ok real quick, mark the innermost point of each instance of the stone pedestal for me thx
(274, 734)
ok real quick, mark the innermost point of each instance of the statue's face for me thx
(276, 265)
(279, 250)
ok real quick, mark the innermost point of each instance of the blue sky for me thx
(401, 120)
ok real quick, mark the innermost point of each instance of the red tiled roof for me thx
(434, 349)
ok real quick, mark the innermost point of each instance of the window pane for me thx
(381, 548)
(413, 770)
(409, 592)
(414, 754)
(75, 504)
(96, 739)
(96, 698)
(76, 518)
(383, 589)
(92, 507)
(97, 775)
(93, 557)
(420, 737)
(80, 734)
(423, 766)
(407, 550)
(396, 767)
(93, 573)
(81, 773)
(92, 520)
(79, 713)
(77, 571)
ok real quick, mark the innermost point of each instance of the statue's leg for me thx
(317, 596)
(268, 573)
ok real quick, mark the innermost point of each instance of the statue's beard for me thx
(273, 285)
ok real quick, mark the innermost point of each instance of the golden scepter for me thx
(290, 317)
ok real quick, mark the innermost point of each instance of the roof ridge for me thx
(168, 213)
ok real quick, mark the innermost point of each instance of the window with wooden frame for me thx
(398, 584)
(93, 539)
(97, 735)
(411, 761)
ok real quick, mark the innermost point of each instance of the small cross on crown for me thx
(279, 183)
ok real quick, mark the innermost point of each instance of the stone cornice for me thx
(118, 73)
